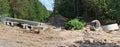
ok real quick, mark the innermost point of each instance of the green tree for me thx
(4, 7)
(29, 10)
(88, 10)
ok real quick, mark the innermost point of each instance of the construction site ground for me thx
(18, 37)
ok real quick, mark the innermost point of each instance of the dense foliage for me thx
(24, 9)
(74, 24)
(4, 7)
(106, 11)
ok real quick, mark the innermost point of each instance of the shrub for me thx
(74, 24)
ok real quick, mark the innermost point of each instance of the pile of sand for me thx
(49, 38)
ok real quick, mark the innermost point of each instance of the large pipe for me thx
(96, 25)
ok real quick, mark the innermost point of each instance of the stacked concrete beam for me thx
(10, 23)
(29, 25)
(22, 21)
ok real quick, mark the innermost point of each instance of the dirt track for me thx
(17, 37)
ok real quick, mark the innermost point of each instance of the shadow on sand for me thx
(87, 43)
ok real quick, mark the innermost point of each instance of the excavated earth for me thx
(17, 37)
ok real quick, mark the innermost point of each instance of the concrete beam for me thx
(29, 25)
(23, 21)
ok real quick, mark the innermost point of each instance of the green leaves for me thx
(24, 9)
(4, 7)
(74, 24)
(88, 10)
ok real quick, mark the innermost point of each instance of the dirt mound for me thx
(63, 38)
(57, 20)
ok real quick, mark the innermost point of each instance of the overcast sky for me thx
(48, 4)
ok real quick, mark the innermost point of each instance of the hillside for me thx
(17, 37)
(24, 9)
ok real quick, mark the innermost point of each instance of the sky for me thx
(48, 4)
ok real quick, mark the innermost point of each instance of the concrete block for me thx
(24, 26)
(8, 22)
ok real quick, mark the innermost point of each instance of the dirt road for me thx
(17, 37)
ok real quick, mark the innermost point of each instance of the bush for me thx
(74, 24)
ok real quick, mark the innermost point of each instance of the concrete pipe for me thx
(111, 27)
(96, 25)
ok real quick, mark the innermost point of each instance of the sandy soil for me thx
(17, 37)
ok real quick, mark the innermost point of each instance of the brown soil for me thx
(79, 38)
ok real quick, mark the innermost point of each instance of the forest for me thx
(107, 11)
(24, 9)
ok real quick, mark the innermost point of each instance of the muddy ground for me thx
(17, 37)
